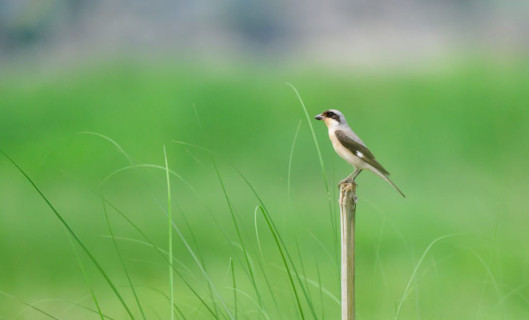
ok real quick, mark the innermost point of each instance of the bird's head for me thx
(331, 117)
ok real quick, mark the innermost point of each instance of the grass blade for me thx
(145, 165)
(274, 235)
(122, 261)
(28, 305)
(302, 266)
(74, 235)
(160, 252)
(199, 253)
(194, 255)
(234, 287)
(112, 141)
(322, 164)
(170, 224)
(321, 289)
(290, 160)
(263, 312)
(132, 165)
(280, 244)
(239, 236)
(167, 298)
(405, 293)
(85, 275)
(317, 285)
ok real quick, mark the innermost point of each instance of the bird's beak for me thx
(318, 117)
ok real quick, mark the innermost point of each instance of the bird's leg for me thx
(355, 174)
(348, 179)
(351, 177)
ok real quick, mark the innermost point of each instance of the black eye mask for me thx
(332, 115)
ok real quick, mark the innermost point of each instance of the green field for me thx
(455, 137)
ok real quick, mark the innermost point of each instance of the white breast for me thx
(345, 153)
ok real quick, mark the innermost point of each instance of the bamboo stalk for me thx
(347, 204)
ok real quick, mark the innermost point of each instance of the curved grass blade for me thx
(321, 289)
(167, 298)
(290, 160)
(194, 146)
(133, 165)
(224, 234)
(322, 164)
(74, 235)
(320, 157)
(120, 257)
(302, 266)
(112, 141)
(281, 246)
(199, 253)
(405, 293)
(151, 243)
(29, 305)
(317, 285)
(195, 257)
(145, 243)
(85, 275)
(70, 306)
(253, 301)
(170, 222)
(146, 165)
(234, 287)
(300, 308)
(327, 252)
(265, 278)
(153, 309)
(257, 231)
(239, 236)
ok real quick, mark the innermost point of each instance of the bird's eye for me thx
(330, 114)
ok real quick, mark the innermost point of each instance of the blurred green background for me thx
(452, 128)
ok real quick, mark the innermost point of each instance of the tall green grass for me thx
(247, 229)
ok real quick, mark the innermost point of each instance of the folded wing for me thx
(359, 150)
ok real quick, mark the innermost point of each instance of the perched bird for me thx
(351, 148)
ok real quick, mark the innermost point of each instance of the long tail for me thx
(385, 177)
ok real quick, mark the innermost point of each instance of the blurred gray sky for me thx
(332, 30)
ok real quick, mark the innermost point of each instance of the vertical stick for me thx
(347, 222)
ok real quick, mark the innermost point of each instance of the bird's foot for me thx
(345, 181)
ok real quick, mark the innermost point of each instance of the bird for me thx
(351, 148)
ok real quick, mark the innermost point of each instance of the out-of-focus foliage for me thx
(454, 137)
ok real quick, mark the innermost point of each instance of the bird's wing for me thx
(359, 150)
